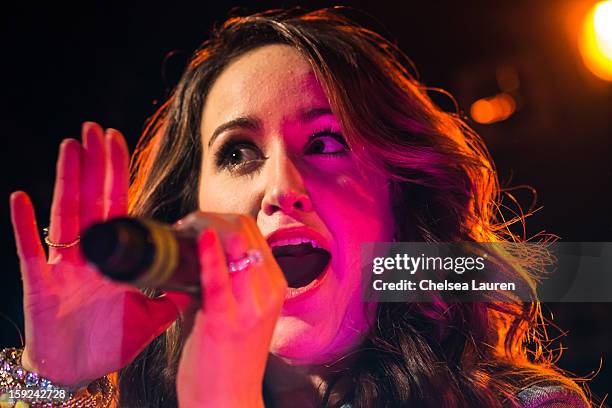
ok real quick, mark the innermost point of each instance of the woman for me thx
(312, 130)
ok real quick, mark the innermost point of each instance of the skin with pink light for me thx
(273, 152)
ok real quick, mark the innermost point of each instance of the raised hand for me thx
(224, 358)
(78, 325)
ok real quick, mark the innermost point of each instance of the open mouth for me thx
(301, 262)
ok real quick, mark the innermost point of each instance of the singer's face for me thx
(274, 150)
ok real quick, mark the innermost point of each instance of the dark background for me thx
(62, 66)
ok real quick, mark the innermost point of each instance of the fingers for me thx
(25, 228)
(260, 288)
(29, 248)
(92, 175)
(245, 283)
(252, 291)
(272, 281)
(214, 275)
(64, 223)
(117, 175)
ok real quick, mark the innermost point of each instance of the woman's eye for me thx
(238, 155)
(327, 143)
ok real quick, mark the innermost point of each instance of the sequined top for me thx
(22, 389)
(550, 396)
(102, 393)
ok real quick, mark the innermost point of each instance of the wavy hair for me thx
(444, 188)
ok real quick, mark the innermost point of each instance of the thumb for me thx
(169, 306)
(180, 300)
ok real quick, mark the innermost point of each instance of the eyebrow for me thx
(313, 113)
(247, 122)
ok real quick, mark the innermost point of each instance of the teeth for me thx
(294, 241)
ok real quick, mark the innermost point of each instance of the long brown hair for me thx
(444, 189)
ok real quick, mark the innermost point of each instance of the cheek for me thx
(355, 209)
(220, 194)
(354, 212)
(210, 195)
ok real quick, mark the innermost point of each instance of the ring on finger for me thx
(52, 244)
(251, 257)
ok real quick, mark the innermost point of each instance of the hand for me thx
(224, 358)
(78, 325)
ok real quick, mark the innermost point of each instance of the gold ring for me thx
(59, 244)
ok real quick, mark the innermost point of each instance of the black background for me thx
(65, 65)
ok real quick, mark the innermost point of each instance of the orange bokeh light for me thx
(494, 109)
(596, 40)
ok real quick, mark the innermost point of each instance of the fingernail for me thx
(86, 125)
(15, 195)
(89, 131)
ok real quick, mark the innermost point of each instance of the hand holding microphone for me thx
(146, 253)
(224, 357)
(225, 261)
(80, 326)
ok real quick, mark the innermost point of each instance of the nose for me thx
(285, 190)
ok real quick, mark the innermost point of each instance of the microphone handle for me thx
(144, 253)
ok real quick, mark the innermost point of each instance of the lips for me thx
(301, 254)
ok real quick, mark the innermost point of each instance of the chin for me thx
(298, 343)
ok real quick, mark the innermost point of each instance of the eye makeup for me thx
(326, 142)
(241, 156)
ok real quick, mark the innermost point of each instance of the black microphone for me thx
(144, 253)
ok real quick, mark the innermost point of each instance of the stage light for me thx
(596, 40)
(493, 109)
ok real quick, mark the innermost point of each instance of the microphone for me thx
(144, 253)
